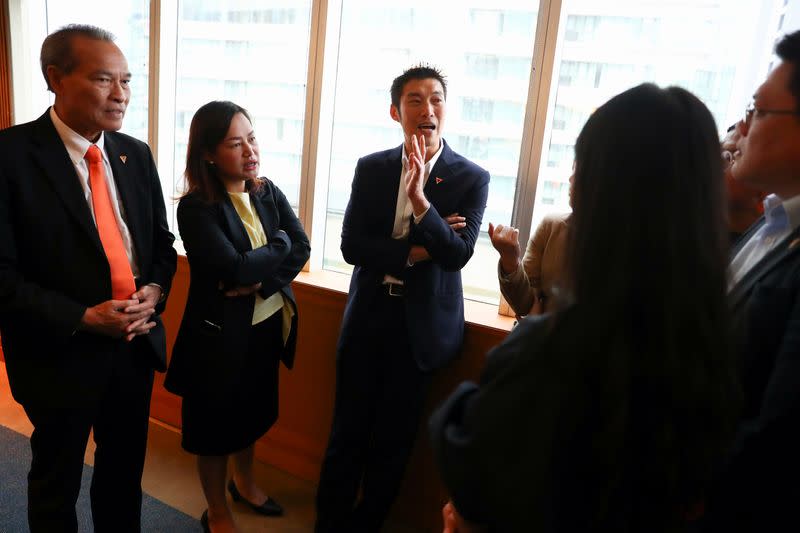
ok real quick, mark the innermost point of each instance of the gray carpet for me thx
(15, 458)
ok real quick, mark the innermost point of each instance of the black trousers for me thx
(119, 419)
(380, 393)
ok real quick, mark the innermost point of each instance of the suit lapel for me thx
(261, 210)
(394, 169)
(439, 176)
(786, 248)
(126, 187)
(51, 155)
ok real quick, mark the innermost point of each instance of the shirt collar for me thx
(790, 205)
(431, 162)
(76, 144)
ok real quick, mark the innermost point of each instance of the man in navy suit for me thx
(410, 226)
(86, 260)
(757, 489)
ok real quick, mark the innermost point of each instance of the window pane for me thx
(485, 52)
(254, 53)
(713, 49)
(129, 21)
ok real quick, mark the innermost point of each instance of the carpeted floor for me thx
(14, 463)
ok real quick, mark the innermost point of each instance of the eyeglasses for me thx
(751, 109)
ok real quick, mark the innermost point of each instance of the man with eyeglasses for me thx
(757, 488)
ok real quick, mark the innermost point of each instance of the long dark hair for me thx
(209, 126)
(647, 271)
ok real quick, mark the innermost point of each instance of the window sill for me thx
(475, 313)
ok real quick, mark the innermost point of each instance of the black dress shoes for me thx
(204, 522)
(269, 508)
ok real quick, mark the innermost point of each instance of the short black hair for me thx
(57, 47)
(788, 50)
(417, 72)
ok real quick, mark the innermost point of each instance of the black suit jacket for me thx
(757, 487)
(52, 263)
(213, 339)
(433, 292)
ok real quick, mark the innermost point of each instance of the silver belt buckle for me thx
(395, 289)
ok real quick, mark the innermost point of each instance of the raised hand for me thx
(505, 240)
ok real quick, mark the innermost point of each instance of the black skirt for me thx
(235, 421)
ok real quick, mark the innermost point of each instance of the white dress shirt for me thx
(77, 146)
(782, 217)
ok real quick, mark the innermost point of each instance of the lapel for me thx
(51, 155)
(126, 187)
(441, 170)
(238, 234)
(394, 167)
(786, 248)
(265, 195)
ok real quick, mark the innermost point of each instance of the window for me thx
(607, 46)
(254, 53)
(320, 104)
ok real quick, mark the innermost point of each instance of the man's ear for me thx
(54, 76)
(394, 113)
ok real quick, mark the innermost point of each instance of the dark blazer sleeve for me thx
(299, 251)
(494, 441)
(206, 242)
(452, 249)
(763, 462)
(362, 243)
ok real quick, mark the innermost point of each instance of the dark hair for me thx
(57, 47)
(417, 72)
(647, 271)
(788, 49)
(209, 126)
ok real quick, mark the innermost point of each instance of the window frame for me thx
(323, 50)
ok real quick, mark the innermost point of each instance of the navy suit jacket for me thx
(433, 293)
(212, 342)
(52, 263)
(758, 483)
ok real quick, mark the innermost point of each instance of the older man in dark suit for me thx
(86, 260)
(757, 488)
(410, 226)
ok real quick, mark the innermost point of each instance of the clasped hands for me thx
(414, 180)
(123, 318)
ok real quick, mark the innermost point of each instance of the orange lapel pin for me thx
(123, 158)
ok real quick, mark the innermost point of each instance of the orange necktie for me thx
(122, 284)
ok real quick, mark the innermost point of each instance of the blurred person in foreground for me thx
(756, 487)
(245, 246)
(608, 413)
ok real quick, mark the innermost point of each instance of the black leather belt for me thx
(393, 289)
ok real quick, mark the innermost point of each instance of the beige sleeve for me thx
(520, 287)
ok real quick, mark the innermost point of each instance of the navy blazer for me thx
(213, 338)
(52, 263)
(758, 483)
(433, 293)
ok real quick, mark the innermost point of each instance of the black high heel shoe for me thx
(269, 508)
(204, 522)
